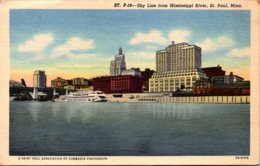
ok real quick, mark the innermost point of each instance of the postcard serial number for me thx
(242, 157)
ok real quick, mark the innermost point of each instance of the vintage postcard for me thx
(135, 82)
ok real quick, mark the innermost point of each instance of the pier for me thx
(146, 97)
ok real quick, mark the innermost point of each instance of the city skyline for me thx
(73, 43)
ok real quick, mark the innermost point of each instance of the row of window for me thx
(171, 85)
(175, 72)
(172, 79)
(174, 75)
(166, 89)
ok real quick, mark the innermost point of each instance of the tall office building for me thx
(39, 79)
(178, 66)
(180, 56)
(118, 65)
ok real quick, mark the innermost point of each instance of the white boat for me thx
(11, 98)
(84, 96)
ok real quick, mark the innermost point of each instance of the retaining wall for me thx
(198, 99)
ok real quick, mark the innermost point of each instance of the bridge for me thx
(17, 89)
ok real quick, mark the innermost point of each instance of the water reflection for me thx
(174, 111)
(34, 110)
(53, 128)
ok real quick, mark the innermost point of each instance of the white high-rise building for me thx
(178, 66)
(118, 65)
(180, 56)
(39, 79)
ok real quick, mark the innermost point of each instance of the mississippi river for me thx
(113, 129)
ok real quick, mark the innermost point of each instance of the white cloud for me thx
(74, 56)
(240, 52)
(73, 44)
(141, 59)
(156, 37)
(152, 47)
(141, 55)
(153, 36)
(211, 45)
(179, 36)
(78, 57)
(37, 44)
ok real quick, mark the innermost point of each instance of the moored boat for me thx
(84, 96)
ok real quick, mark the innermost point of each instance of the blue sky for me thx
(71, 43)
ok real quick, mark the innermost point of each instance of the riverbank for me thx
(137, 97)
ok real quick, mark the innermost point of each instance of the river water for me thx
(62, 128)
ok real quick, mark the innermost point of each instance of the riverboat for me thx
(84, 96)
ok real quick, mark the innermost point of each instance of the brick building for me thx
(79, 83)
(206, 87)
(118, 84)
(59, 83)
(75, 83)
(227, 79)
(214, 71)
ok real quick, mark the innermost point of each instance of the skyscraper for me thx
(178, 66)
(180, 56)
(39, 79)
(118, 65)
